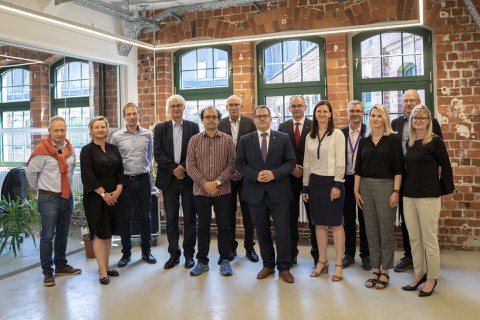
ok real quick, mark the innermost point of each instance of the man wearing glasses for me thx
(210, 163)
(297, 129)
(237, 125)
(170, 141)
(265, 158)
(411, 99)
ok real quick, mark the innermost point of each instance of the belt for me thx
(50, 193)
(136, 177)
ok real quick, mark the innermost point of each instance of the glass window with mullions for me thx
(72, 80)
(15, 85)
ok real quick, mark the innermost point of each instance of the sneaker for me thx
(49, 280)
(225, 268)
(347, 261)
(67, 269)
(366, 263)
(404, 264)
(199, 269)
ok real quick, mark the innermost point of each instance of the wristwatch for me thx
(396, 190)
(219, 183)
(103, 194)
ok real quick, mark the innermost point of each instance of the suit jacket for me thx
(287, 127)
(246, 126)
(397, 125)
(363, 129)
(164, 155)
(280, 160)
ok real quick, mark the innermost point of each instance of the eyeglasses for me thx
(176, 106)
(420, 119)
(262, 116)
(209, 118)
(297, 106)
(410, 100)
(355, 111)
(234, 105)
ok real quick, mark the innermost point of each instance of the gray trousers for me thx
(379, 220)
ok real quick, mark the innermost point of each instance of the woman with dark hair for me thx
(426, 156)
(323, 171)
(102, 174)
(378, 175)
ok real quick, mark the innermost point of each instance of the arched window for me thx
(287, 68)
(203, 76)
(388, 63)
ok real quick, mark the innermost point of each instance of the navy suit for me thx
(246, 126)
(350, 206)
(297, 185)
(397, 125)
(172, 188)
(270, 199)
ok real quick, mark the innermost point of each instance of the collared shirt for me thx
(210, 159)
(260, 138)
(135, 148)
(405, 134)
(177, 140)
(43, 171)
(354, 135)
(300, 127)
(235, 127)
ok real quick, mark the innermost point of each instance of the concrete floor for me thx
(149, 292)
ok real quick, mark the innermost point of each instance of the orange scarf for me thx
(46, 148)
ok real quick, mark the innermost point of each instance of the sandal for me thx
(324, 269)
(370, 283)
(335, 277)
(381, 284)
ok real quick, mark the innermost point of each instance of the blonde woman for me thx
(378, 175)
(426, 156)
(102, 175)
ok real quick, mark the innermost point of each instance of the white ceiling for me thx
(135, 5)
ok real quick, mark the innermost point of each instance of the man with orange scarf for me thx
(50, 171)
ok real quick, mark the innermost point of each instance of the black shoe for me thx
(366, 263)
(404, 264)
(149, 258)
(124, 261)
(113, 273)
(104, 280)
(252, 255)
(415, 287)
(422, 293)
(347, 261)
(172, 262)
(189, 263)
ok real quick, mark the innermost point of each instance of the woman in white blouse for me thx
(323, 172)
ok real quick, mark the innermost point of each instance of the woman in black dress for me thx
(102, 175)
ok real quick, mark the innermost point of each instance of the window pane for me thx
(188, 80)
(73, 80)
(311, 65)
(14, 88)
(189, 61)
(75, 69)
(273, 64)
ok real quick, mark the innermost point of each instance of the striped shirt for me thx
(210, 159)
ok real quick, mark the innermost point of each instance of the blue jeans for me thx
(55, 213)
(136, 195)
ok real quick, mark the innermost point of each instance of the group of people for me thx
(362, 172)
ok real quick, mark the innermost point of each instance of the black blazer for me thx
(164, 155)
(287, 127)
(280, 160)
(246, 126)
(345, 133)
(397, 125)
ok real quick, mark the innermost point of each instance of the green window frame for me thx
(403, 60)
(290, 67)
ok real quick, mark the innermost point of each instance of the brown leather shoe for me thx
(265, 272)
(287, 277)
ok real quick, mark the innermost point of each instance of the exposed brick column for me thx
(244, 75)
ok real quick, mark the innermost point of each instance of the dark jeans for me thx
(261, 216)
(55, 213)
(136, 195)
(220, 205)
(171, 202)
(349, 217)
(247, 219)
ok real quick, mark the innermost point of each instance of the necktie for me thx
(263, 147)
(297, 133)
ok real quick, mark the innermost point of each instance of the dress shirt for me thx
(405, 134)
(135, 148)
(210, 159)
(43, 171)
(354, 136)
(235, 127)
(300, 127)
(177, 140)
(260, 138)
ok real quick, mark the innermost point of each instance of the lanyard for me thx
(352, 148)
(319, 144)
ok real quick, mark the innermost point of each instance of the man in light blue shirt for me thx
(135, 145)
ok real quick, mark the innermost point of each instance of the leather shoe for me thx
(113, 273)
(149, 258)
(172, 262)
(189, 263)
(104, 280)
(264, 273)
(124, 261)
(287, 276)
(252, 255)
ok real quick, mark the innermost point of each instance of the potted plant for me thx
(79, 219)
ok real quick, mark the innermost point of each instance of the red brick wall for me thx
(457, 77)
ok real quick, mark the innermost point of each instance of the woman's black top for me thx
(421, 170)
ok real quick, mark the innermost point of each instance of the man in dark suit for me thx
(411, 99)
(353, 134)
(170, 143)
(265, 158)
(297, 129)
(236, 125)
